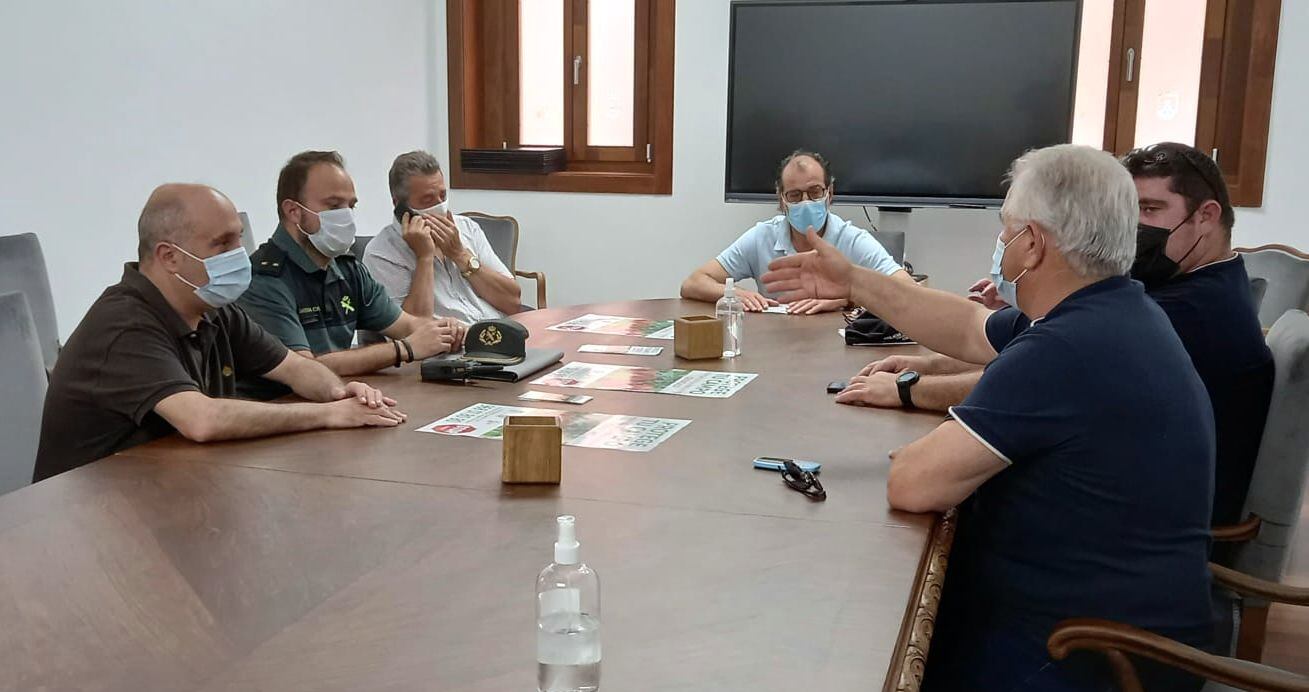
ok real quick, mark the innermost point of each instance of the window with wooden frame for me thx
(594, 77)
(1198, 72)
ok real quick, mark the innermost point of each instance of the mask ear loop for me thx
(297, 203)
(179, 276)
(1026, 229)
(1193, 245)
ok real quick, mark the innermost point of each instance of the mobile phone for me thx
(555, 398)
(776, 464)
(837, 386)
(402, 208)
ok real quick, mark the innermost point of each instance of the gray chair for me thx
(22, 268)
(23, 380)
(502, 233)
(1258, 288)
(1286, 270)
(363, 336)
(1260, 555)
(247, 235)
(893, 242)
(1277, 484)
(360, 244)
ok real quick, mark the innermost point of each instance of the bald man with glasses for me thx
(804, 196)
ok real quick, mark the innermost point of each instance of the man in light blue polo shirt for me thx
(804, 194)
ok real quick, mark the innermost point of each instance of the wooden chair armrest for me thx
(1243, 583)
(1238, 533)
(1116, 639)
(539, 277)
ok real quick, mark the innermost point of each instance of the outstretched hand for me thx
(822, 273)
(984, 292)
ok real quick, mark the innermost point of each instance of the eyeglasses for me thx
(813, 192)
(1157, 154)
(802, 481)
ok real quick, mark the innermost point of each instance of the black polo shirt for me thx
(131, 351)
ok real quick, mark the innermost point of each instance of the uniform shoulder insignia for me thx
(269, 260)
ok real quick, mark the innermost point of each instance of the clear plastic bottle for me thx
(732, 313)
(567, 619)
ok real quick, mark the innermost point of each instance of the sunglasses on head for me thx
(1157, 154)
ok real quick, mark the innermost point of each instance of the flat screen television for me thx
(914, 102)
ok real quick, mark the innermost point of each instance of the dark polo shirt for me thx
(1212, 312)
(131, 351)
(310, 308)
(1103, 508)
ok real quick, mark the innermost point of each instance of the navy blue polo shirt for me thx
(1103, 510)
(1213, 313)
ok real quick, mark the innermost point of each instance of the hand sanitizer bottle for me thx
(730, 310)
(567, 619)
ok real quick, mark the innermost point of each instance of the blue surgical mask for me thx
(229, 276)
(808, 214)
(336, 231)
(1007, 290)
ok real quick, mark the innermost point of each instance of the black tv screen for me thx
(919, 103)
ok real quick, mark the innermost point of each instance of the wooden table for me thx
(395, 560)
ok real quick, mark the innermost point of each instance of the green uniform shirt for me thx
(310, 308)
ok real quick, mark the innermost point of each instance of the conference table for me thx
(390, 559)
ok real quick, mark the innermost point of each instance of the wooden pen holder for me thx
(533, 450)
(698, 337)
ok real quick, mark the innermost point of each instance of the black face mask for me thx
(1153, 266)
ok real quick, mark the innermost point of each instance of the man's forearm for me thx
(235, 419)
(940, 392)
(362, 360)
(700, 286)
(943, 322)
(421, 300)
(938, 364)
(500, 290)
(307, 377)
(315, 381)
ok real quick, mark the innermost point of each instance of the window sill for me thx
(566, 181)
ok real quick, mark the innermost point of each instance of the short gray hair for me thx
(410, 164)
(1087, 201)
(164, 219)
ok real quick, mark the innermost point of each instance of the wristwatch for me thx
(473, 265)
(903, 383)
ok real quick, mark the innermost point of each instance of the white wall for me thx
(103, 101)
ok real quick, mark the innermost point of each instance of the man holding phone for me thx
(433, 262)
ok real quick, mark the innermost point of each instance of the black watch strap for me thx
(904, 387)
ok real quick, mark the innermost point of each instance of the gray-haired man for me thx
(433, 262)
(1082, 462)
